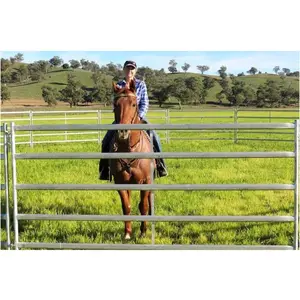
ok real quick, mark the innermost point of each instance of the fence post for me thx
(66, 133)
(235, 122)
(152, 192)
(99, 122)
(5, 136)
(168, 122)
(31, 123)
(296, 191)
(14, 182)
(270, 117)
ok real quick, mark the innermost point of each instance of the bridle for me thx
(126, 96)
(127, 165)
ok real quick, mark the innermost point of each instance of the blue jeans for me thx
(110, 133)
(108, 138)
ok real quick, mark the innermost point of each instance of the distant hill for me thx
(57, 78)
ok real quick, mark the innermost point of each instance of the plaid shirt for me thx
(142, 96)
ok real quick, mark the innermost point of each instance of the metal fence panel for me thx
(5, 186)
(152, 186)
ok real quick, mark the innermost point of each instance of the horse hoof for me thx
(127, 236)
(142, 235)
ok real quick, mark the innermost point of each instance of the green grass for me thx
(193, 171)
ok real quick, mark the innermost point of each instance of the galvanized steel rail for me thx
(5, 186)
(99, 115)
(153, 187)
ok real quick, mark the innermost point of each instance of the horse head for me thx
(125, 108)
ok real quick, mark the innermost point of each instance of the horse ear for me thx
(132, 86)
(115, 87)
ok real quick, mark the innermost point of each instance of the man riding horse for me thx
(130, 69)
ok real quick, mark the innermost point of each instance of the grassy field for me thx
(192, 171)
(58, 78)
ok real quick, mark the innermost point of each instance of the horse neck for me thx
(135, 135)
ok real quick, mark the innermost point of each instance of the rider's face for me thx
(129, 72)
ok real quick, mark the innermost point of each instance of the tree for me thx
(250, 95)
(110, 69)
(5, 94)
(173, 65)
(160, 89)
(37, 76)
(203, 69)
(194, 87)
(222, 72)
(287, 94)
(162, 95)
(43, 66)
(5, 77)
(282, 75)
(276, 69)
(50, 95)
(36, 71)
(185, 67)
(186, 90)
(5, 63)
(73, 92)
(65, 66)
(269, 94)
(88, 96)
(236, 95)
(93, 66)
(119, 67)
(102, 88)
(296, 74)
(286, 70)
(252, 71)
(12, 60)
(96, 77)
(56, 61)
(240, 74)
(177, 88)
(208, 83)
(84, 64)
(15, 76)
(221, 97)
(146, 74)
(19, 57)
(75, 64)
(102, 91)
(23, 70)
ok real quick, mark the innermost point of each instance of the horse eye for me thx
(134, 105)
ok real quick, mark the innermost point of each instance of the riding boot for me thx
(104, 169)
(104, 163)
(161, 167)
(160, 162)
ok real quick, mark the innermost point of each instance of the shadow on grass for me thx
(57, 83)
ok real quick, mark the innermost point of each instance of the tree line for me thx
(162, 88)
(188, 90)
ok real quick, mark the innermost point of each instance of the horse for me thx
(133, 170)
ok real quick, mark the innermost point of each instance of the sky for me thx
(235, 61)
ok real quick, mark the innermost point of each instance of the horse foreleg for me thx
(126, 207)
(144, 209)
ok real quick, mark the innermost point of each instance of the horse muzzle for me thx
(123, 134)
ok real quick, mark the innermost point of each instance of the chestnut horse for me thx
(130, 171)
